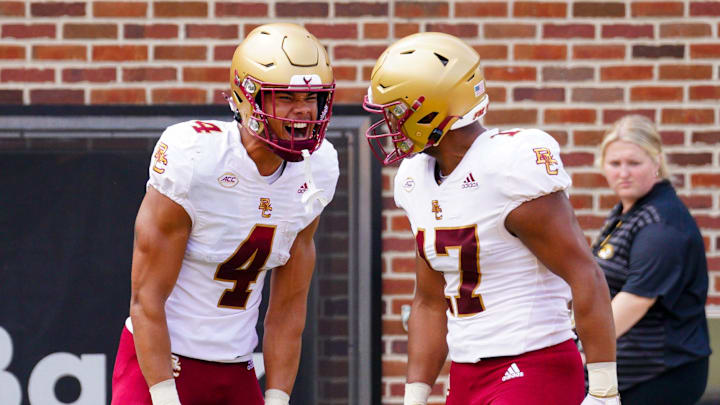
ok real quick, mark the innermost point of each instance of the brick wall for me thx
(568, 67)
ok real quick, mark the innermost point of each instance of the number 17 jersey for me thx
(501, 300)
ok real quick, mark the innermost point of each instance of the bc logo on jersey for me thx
(265, 207)
(545, 157)
(160, 158)
(437, 210)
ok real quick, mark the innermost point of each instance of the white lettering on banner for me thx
(88, 369)
(10, 390)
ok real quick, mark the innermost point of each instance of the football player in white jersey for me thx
(225, 203)
(499, 251)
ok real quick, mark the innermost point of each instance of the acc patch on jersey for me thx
(409, 184)
(228, 180)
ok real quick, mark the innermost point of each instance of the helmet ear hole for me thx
(428, 118)
(443, 59)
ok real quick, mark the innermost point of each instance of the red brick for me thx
(458, 30)
(333, 31)
(587, 137)
(173, 9)
(591, 221)
(205, 74)
(12, 52)
(704, 92)
(657, 9)
(11, 96)
(29, 75)
(218, 96)
(608, 201)
(90, 31)
(117, 96)
(705, 180)
(509, 73)
(358, 51)
(581, 201)
(483, 9)
(96, 75)
(154, 31)
(637, 72)
(497, 94)
(672, 137)
(113, 9)
(57, 9)
(707, 221)
(400, 244)
(535, 94)
(508, 31)
(540, 52)
(589, 180)
(560, 136)
(656, 93)
(539, 9)
(403, 264)
(241, 9)
(57, 96)
(178, 52)
(690, 159)
(612, 115)
(576, 74)
(568, 31)
(215, 31)
(685, 72)
(398, 286)
(376, 30)
(348, 73)
(487, 52)
(688, 116)
(659, 51)
(712, 137)
(149, 74)
(59, 52)
(400, 223)
(705, 51)
(597, 95)
(301, 9)
(511, 116)
(223, 52)
(597, 9)
(350, 95)
(12, 9)
(697, 201)
(570, 116)
(575, 159)
(704, 8)
(424, 9)
(366, 73)
(598, 52)
(405, 29)
(119, 53)
(179, 96)
(24, 31)
(631, 31)
(684, 30)
(361, 8)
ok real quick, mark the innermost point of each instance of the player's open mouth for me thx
(299, 128)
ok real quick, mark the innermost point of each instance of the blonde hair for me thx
(640, 131)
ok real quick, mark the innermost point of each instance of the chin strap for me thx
(313, 193)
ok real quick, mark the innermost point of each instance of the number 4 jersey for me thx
(501, 300)
(241, 227)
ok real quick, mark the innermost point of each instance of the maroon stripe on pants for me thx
(199, 383)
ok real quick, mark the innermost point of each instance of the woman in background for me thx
(653, 257)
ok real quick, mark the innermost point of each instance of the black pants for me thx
(683, 385)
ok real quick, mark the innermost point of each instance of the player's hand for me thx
(416, 393)
(165, 393)
(276, 397)
(591, 400)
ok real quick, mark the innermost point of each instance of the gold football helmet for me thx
(423, 85)
(281, 58)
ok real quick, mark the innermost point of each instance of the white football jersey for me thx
(502, 301)
(241, 227)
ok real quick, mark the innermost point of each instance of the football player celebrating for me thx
(225, 203)
(499, 250)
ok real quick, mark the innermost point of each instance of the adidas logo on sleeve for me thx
(512, 372)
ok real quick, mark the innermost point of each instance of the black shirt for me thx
(656, 250)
